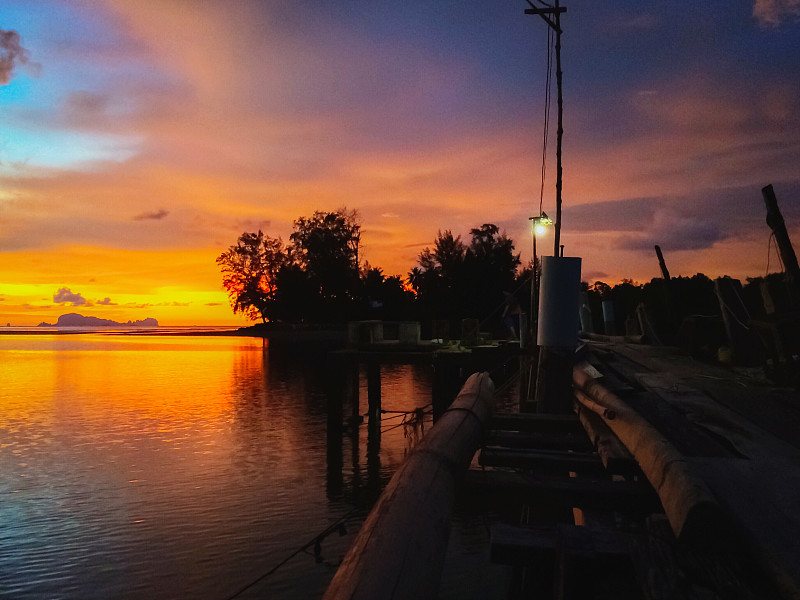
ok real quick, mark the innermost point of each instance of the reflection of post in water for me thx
(334, 445)
(335, 392)
(374, 426)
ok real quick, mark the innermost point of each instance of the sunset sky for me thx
(139, 139)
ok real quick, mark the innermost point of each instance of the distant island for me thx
(76, 320)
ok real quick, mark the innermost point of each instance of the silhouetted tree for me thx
(453, 280)
(384, 297)
(326, 245)
(490, 266)
(437, 279)
(250, 271)
(315, 277)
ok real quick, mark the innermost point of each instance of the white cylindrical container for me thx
(559, 301)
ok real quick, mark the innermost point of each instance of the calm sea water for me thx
(136, 466)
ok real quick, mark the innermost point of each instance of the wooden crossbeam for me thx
(581, 492)
(558, 462)
(533, 422)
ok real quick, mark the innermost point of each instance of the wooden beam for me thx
(581, 492)
(520, 545)
(550, 462)
(788, 257)
(661, 263)
(532, 422)
(547, 441)
(545, 12)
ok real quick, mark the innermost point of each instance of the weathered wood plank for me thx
(541, 461)
(531, 422)
(514, 544)
(581, 492)
(399, 551)
(564, 440)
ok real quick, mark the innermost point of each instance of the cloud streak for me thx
(151, 216)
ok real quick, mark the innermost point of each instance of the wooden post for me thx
(399, 551)
(789, 258)
(661, 263)
(374, 389)
(674, 310)
(745, 344)
(559, 131)
(334, 481)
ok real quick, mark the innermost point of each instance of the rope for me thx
(314, 541)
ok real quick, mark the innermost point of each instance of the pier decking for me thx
(673, 479)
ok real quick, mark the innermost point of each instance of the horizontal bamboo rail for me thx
(399, 552)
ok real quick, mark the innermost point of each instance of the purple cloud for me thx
(12, 54)
(65, 295)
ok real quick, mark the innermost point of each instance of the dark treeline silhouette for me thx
(666, 304)
(685, 311)
(453, 280)
(318, 277)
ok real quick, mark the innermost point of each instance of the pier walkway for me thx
(671, 479)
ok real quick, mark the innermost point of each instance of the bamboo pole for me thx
(399, 552)
(689, 504)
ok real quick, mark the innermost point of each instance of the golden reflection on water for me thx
(133, 463)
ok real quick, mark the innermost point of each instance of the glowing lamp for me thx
(540, 224)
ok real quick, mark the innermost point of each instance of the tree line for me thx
(319, 275)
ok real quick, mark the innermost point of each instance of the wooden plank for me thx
(550, 440)
(550, 462)
(531, 422)
(775, 410)
(581, 492)
(399, 551)
(515, 544)
(666, 419)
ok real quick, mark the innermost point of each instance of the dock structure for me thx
(670, 479)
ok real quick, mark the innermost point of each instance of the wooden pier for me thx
(671, 479)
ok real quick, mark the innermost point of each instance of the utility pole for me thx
(552, 16)
(555, 359)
